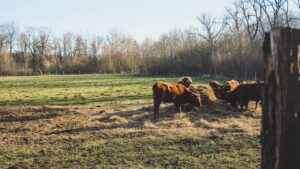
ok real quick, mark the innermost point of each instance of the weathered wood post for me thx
(281, 110)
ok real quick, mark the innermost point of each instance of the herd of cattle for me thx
(184, 92)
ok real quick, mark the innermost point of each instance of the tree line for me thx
(229, 47)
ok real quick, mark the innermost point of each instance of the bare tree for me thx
(275, 12)
(32, 44)
(12, 32)
(95, 45)
(68, 46)
(79, 46)
(252, 17)
(8, 35)
(44, 40)
(3, 36)
(38, 44)
(23, 42)
(57, 46)
(97, 42)
(233, 15)
(211, 30)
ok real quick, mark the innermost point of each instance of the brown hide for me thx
(245, 93)
(221, 90)
(231, 85)
(173, 93)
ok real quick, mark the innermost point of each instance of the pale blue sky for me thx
(139, 18)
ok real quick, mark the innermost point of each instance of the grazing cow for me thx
(221, 90)
(245, 93)
(229, 86)
(173, 93)
(215, 84)
(217, 88)
(186, 81)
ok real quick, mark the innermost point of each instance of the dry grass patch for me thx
(92, 136)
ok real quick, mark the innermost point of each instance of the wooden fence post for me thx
(281, 110)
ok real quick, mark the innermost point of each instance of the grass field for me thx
(78, 89)
(105, 121)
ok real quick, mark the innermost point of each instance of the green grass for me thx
(179, 152)
(142, 152)
(79, 89)
(28, 137)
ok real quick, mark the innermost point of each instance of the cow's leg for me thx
(234, 103)
(243, 103)
(156, 108)
(177, 107)
(241, 106)
(246, 105)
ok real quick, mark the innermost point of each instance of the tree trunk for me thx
(281, 110)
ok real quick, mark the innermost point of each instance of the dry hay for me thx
(207, 94)
(149, 125)
(248, 82)
(34, 126)
(176, 122)
(117, 119)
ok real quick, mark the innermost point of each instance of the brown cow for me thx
(231, 85)
(221, 90)
(228, 87)
(215, 84)
(173, 93)
(217, 88)
(186, 81)
(245, 93)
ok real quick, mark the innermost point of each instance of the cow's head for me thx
(186, 81)
(215, 84)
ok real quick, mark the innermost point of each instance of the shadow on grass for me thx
(27, 118)
(8, 116)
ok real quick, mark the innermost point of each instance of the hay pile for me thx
(207, 94)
